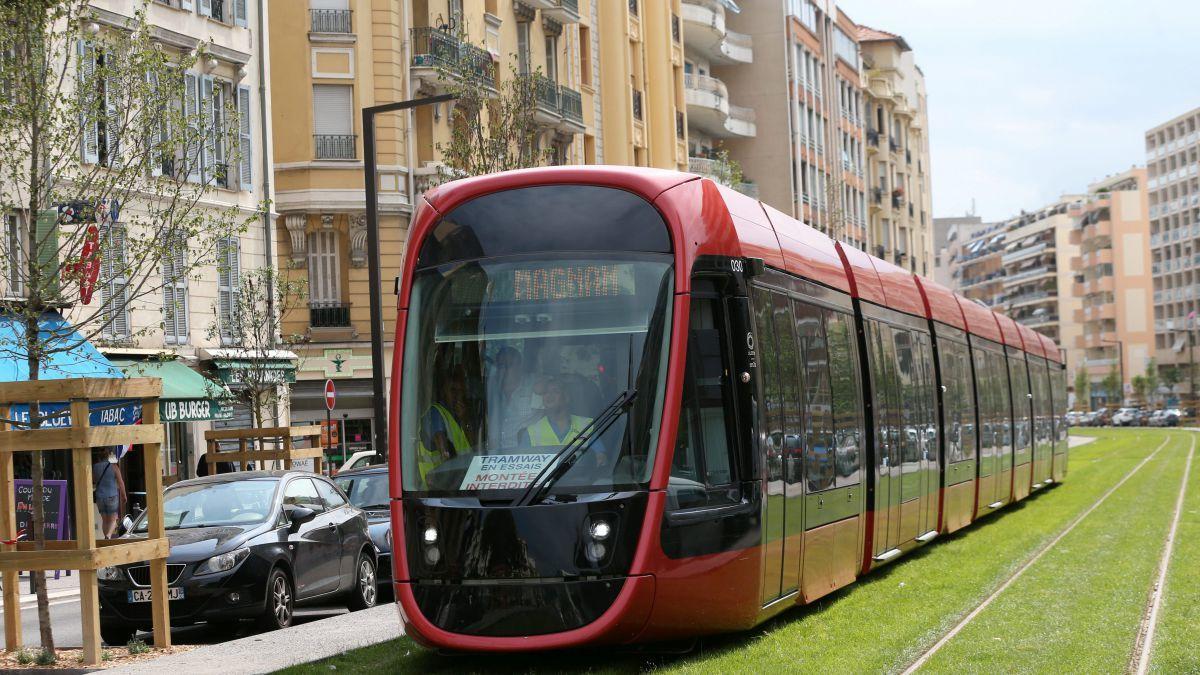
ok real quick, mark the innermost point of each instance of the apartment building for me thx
(1173, 190)
(181, 333)
(976, 270)
(899, 228)
(832, 85)
(949, 236)
(713, 54)
(1113, 282)
(637, 70)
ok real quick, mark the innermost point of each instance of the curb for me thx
(31, 600)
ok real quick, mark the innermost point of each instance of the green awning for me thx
(187, 396)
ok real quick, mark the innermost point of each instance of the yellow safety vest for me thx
(427, 458)
(541, 432)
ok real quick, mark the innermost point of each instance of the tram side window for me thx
(927, 429)
(764, 309)
(910, 407)
(886, 392)
(847, 399)
(819, 453)
(959, 401)
(703, 471)
(789, 385)
(1020, 400)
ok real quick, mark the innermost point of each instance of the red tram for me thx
(632, 405)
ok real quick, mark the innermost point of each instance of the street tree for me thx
(1112, 386)
(1083, 385)
(1152, 380)
(251, 316)
(1140, 387)
(109, 157)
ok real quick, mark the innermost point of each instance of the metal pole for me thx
(328, 439)
(374, 273)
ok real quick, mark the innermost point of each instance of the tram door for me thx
(781, 442)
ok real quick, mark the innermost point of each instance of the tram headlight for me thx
(432, 555)
(595, 551)
(431, 535)
(600, 530)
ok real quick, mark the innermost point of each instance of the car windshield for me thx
(508, 360)
(366, 491)
(239, 502)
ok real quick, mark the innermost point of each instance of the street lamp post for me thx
(374, 272)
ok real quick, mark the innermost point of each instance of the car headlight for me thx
(388, 538)
(109, 574)
(223, 562)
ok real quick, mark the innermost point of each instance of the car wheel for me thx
(366, 585)
(280, 601)
(116, 636)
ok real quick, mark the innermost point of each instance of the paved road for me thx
(64, 616)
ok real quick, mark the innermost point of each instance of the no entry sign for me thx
(330, 395)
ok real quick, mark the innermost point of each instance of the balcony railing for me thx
(330, 20)
(436, 48)
(335, 146)
(325, 314)
(637, 105)
(545, 92)
(570, 104)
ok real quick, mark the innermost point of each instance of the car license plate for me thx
(144, 594)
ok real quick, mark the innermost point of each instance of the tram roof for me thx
(1051, 348)
(940, 304)
(1031, 340)
(1008, 329)
(807, 252)
(980, 320)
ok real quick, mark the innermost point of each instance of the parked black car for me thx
(368, 490)
(247, 545)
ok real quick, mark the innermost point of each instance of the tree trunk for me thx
(39, 513)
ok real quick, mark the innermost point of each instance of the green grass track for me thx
(889, 618)
(1079, 608)
(1176, 647)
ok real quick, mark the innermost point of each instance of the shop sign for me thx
(54, 509)
(194, 410)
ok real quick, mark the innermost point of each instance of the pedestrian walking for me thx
(108, 490)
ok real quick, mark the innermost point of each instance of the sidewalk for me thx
(56, 589)
(269, 652)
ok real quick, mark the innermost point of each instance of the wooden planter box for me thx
(281, 437)
(84, 553)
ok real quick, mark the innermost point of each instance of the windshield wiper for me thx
(565, 458)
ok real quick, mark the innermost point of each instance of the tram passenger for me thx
(442, 434)
(510, 400)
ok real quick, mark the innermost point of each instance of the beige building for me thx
(900, 228)
(949, 237)
(608, 83)
(1113, 282)
(975, 270)
(1173, 189)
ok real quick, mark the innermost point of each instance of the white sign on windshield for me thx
(503, 472)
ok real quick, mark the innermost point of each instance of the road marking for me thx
(1145, 639)
(1028, 563)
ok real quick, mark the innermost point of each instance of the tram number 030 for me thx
(736, 265)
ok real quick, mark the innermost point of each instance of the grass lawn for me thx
(886, 619)
(1078, 609)
(1176, 647)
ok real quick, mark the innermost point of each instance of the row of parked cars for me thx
(253, 546)
(1126, 417)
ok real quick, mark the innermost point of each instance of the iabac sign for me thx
(194, 410)
(101, 414)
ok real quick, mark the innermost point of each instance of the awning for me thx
(275, 366)
(187, 396)
(71, 356)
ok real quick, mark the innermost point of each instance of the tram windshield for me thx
(507, 360)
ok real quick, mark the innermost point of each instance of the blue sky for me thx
(1030, 100)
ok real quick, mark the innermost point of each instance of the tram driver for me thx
(443, 434)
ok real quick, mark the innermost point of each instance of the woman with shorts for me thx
(109, 489)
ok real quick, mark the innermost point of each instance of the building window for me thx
(333, 121)
(326, 309)
(229, 272)
(552, 57)
(114, 294)
(175, 291)
(523, 64)
(15, 256)
(585, 55)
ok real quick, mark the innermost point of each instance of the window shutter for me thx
(46, 230)
(245, 163)
(332, 110)
(191, 111)
(206, 7)
(86, 82)
(113, 107)
(187, 4)
(239, 12)
(208, 132)
(114, 293)
(227, 284)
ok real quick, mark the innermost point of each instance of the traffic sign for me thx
(330, 395)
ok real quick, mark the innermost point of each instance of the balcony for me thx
(1023, 253)
(709, 110)
(330, 21)
(545, 98)
(335, 146)
(562, 11)
(325, 314)
(570, 107)
(439, 59)
(704, 31)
